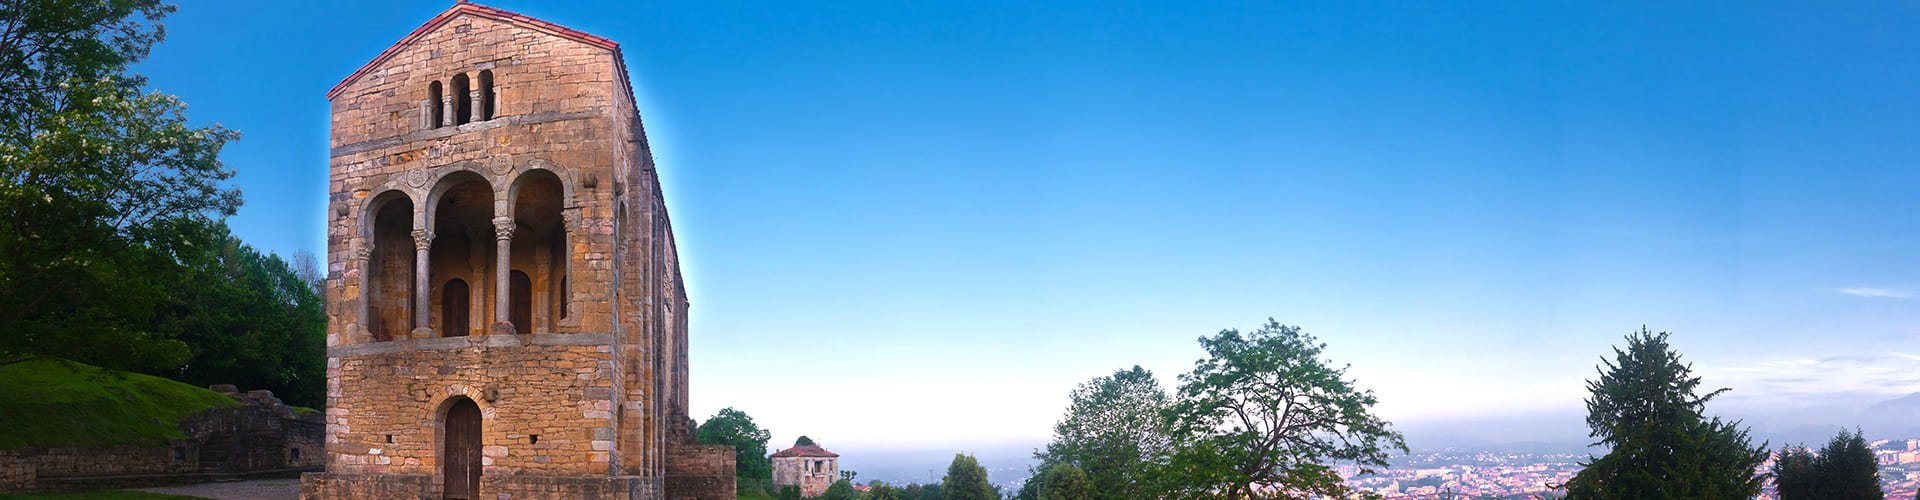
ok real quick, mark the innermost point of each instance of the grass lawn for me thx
(53, 402)
(102, 495)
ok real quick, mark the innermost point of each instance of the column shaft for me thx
(422, 295)
(502, 273)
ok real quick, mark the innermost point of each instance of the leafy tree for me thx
(1113, 432)
(1066, 482)
(789, 492)
(1846, 469)
(967, 480)
(97, 177)
(1794, 475)
(849, 475)
(1647, 409)
(879, 490)
(840, 490)
(247, 317)
(917, 491)
(1265, 409)
(731, 427)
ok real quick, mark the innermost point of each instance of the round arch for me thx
(446, 178)
(540, 169)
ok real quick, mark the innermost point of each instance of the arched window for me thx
(435, 105)
(486, 94)
(462, 104)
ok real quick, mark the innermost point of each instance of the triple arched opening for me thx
(461, 100)
(466, 289)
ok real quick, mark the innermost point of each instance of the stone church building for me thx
(507, 313)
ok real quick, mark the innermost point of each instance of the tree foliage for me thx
(1794, 476)
(1113, 433)
(735, 428)
(840, 490)
(1264, 414)
(1647, 409)
(878, 490)
(1066, 482)
(247, 318)
(97, 177)
(967, 480)
(1845, 469)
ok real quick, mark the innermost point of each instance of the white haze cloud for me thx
(1876, 292)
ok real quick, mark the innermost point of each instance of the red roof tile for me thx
(805, 451)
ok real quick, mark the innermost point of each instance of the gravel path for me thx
(261, 489)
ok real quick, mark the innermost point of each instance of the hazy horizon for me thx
(921, 225)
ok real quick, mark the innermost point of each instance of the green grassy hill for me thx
(53, 402)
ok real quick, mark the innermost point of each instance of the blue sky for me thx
(921, 223)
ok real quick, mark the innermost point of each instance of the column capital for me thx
(502, 228)
(570, 220)
(422, 239)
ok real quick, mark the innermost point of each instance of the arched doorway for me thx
(454, 306)
(462, 448)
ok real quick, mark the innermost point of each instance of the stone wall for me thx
(595, 387)
(258, 435)
(545, 405)
(369, 486)
(798, 471)
(17, 472)
(420, 486)
(701, 472)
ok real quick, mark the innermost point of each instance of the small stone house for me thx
(806, 465)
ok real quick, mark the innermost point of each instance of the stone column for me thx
(446, 109)
(473, 97)
(422, 295)
(503, 276)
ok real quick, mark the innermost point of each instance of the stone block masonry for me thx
(260, 435)
(506, 314)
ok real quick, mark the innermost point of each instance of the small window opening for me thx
(486, 94)
(436, 105)
(533, 439)
(179, 453)
(389, 439)
(462, 103)
(296, 453)
(563, 298)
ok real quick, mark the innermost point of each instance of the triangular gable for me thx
(474, 9)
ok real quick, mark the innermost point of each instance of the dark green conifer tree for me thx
(1646, 408)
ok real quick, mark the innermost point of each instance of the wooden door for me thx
(520, 292)
(454, 304)
(462, 460)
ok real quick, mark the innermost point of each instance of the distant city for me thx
(1473, 474)
(1450, 473)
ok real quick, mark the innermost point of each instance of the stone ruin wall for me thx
(258, 435)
